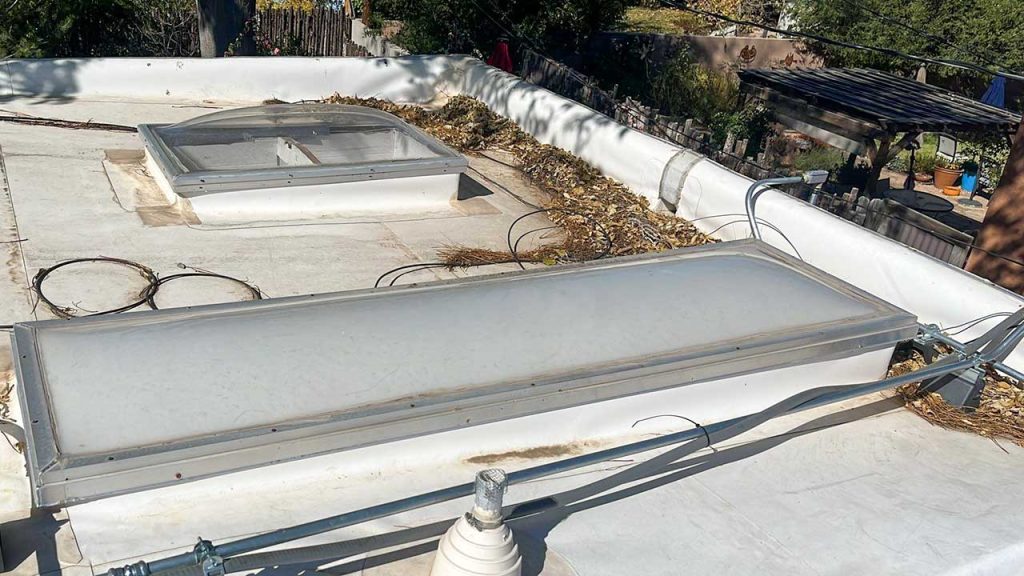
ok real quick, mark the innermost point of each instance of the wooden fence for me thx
(883, 216)
(317, 32)
(561, 79)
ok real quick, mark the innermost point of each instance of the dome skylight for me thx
(288, 145)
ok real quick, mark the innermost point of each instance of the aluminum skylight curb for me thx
(123, 416)
(190, 180)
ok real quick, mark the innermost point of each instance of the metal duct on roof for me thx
(124, 403)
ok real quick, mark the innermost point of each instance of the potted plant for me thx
(969, 181)
(946, 173)
(924, 166)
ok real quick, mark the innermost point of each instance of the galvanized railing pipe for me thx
(758, 188)
(934, 332)
(284, 535)
(813, 177)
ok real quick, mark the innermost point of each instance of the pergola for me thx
(864, 111)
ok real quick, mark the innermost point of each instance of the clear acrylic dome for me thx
(292, 144)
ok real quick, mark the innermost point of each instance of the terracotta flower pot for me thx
(919, 177)
(946, 177)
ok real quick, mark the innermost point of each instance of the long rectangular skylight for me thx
(123, 403)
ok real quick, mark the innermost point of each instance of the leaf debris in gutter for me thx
(579, 196)
(1000, 413)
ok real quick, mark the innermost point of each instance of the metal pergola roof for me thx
(890, 102)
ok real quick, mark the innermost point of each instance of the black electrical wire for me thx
(65, 312)
(605, 251)
(406, 267)
(421, 268)
(515, 246)
(512, 246)
(760, 221)
(147, 296)
(253, 290)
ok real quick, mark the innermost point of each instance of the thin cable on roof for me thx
(406, 267)
(146, 296)
(145, 272)
(253, 290)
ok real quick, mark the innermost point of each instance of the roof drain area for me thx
(301, 161)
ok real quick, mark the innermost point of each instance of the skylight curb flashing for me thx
(433, 157)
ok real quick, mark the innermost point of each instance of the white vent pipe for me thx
(479, 543)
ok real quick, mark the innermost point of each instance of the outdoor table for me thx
(920, 201)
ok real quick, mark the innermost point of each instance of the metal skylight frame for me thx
(189, 182)
(60, 476)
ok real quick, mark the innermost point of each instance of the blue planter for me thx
(968, 182)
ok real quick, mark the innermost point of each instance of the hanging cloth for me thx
(501, 58)
(996, 93)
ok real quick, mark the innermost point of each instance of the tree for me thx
(224, 24)
(63, 28)
(85, 28)
(968, 30)
(432, 26)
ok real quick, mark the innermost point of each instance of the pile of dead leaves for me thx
(1000, 413)
(597, 215)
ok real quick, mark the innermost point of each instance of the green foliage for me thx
(289, 45)
(992, 29)
(855, 175)
(924, 162)
(83, 28)
(684, 88)
(751, 122)
(991, 150)
(39, 28)
(819, 158)
(659, 20)
(472, 26)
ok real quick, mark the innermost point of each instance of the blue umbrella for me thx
(996, 93)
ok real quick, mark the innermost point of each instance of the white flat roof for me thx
(860, 488)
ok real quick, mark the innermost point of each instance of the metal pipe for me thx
(1007, 344)
(812, 177)
(281, 536)
(758, 188)
(491, 486)
(932, 331)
